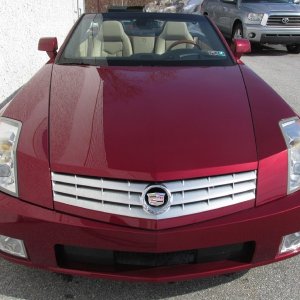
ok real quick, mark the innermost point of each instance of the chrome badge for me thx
(285, 20)
(156, 199)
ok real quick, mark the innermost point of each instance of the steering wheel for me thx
(183, 42)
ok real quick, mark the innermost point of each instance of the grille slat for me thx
(276, 20)
(121, 185)
(124, 197)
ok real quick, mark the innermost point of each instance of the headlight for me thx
(9, 134)
(291, 132)
(255, 17)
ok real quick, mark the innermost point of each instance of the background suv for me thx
(262, 22)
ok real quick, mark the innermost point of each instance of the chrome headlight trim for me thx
(255, 17)
(16, 129)
(291, 132)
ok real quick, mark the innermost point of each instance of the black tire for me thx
(294, 48)
(237, 31)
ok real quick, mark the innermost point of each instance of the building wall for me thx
(101, 5)
(22, 23)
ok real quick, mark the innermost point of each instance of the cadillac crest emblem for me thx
(156, 199)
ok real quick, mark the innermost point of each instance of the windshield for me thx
(145, 39)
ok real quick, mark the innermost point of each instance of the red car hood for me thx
(150, 123)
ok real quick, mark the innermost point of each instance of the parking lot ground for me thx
(277, 281)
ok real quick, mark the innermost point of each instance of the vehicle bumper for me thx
(45, 234)
(272, 35)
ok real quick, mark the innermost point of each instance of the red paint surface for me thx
(153, 224)
(31, 223)
(241, 46)
(149, 123)
(268, 109)
(30, 106)
(50, 45)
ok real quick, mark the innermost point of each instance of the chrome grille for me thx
(124, 197)
(277, 20)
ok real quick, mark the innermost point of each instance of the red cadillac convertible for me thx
(146, 150)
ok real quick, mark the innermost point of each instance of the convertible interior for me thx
(113, 38)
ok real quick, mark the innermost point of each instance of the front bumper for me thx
(271, 35)
(47, 233)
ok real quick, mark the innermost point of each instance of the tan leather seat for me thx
(111, 41)
(86, 46)
(173, 32)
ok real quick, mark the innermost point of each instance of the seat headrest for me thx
(175, 31)
(112, 31)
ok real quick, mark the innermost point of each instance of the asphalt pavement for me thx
(277, 281)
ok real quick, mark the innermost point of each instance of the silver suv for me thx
(260, 21)
(192, 6)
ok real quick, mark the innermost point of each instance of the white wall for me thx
(22, 23)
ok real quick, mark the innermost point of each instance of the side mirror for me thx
(240, 47)
(297, 1)
(50, 45)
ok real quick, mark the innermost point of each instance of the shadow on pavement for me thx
(264, 50)
(25, 283)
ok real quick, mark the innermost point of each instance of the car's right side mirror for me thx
(48, 44)
(240, 47)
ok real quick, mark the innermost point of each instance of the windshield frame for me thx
(230, 60)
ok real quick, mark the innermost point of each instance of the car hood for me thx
(264, 7)
(150, 123)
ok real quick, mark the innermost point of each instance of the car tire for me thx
(294, 48)
(237, 32)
